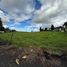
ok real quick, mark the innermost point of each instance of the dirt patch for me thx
(3, 42)
(11, 56)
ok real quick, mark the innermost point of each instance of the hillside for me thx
(42, 39)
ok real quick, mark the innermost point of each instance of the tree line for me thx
(62, 28)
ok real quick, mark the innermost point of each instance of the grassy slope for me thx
(41, 39)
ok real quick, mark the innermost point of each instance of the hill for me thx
(55, 40)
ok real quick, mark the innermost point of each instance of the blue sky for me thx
(29, 15)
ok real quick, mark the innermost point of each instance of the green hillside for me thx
(41, 39)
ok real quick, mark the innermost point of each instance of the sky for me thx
(29, 15)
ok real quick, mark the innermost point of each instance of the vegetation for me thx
(45, 29)
(1, 26)
(65, 23)
(62, 28)
(41, 29)
(52, 27)
(65, 27)
(47, 39)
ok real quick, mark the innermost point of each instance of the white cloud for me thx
(12, 6)
(22, 18)
(19, 10)
(5, 26)
(50, 11)
(5, 18)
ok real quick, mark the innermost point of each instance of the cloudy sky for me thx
(29, 15)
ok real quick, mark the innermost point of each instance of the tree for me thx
(45, 29)
(65, 26)
(1, 26)
(65, 23)
(52, 27)
(41, 29)
(13, 30)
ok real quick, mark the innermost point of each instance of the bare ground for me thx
(11, 56)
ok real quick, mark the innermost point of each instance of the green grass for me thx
(57, 40)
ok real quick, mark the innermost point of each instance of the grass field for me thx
(42, 39)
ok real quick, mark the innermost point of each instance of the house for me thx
(1, 31)
(60, 29)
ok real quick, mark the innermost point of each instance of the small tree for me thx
(41, 29)
(13, 30)
(45, 29)
(52, 27)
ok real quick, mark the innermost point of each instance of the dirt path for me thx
(11, 56)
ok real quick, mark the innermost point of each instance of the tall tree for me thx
(52, 27)
(40, 29)
(1, 25)
(65, 26)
